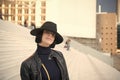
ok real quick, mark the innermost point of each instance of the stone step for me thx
(12, 71)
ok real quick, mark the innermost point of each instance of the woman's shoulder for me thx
(58, 53)
(28, 60)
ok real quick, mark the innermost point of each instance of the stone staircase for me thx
(16, 44)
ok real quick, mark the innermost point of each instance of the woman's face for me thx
(48, 38)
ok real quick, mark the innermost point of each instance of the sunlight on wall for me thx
(74, 17)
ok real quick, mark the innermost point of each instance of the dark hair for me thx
(53, 44)
(39, 38)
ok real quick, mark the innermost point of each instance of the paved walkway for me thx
(83, 63)
(116, 61)
(83, 66)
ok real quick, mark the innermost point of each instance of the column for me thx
(29, 18)
(9, 13)
(16, 13)
(23, 12)
(3, 10)
(38, 13)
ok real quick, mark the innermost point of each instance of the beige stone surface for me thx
(83, 66)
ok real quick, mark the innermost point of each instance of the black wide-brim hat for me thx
(50, 26)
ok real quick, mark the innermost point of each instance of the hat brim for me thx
(37, 31)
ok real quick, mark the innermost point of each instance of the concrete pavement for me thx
(83, 66)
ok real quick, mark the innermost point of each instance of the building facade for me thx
(19, 11)
(107, 18)
(106, 24)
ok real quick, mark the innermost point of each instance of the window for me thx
(26, 17)
(33, 17)
(43, 10)
(111, 50)
(27, 2)
(6, 18)
(6, 5)
(106, 33)
(19, 18)
(13, 11)
(118, 36)
(43, 18)
(13, 5)
(19, 11)
(106, 27)
(0, 5)
(106, 43)
(26, 11)
(20, 5)
(13, 18)
(43, 3)
(0, 10)
(33, 11)
(6, 11)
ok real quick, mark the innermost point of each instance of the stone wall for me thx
(91, 42)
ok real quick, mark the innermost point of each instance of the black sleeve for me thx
(64, 63)
(24, 72)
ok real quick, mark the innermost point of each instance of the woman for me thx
(45, 63)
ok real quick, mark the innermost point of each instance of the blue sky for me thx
(107, 5)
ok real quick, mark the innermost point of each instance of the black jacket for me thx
(30, 68)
